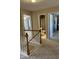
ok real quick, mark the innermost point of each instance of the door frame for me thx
(39, 18)
(49, 21)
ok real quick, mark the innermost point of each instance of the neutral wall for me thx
(35, 17)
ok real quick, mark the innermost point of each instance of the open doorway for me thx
(53, 26)
(27, 25)
(42, 19)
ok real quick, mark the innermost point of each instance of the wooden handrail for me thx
(31, 30)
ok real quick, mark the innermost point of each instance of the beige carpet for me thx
(48, 50)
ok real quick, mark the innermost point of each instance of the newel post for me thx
(40, 35)
(28, 51)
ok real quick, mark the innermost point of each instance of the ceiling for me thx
(39, 4)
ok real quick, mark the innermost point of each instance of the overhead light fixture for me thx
(33, 1)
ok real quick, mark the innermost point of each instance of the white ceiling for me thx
(40, 4)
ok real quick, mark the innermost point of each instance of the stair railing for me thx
(28, 41)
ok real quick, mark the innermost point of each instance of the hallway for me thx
(43, 18)
(48, 50)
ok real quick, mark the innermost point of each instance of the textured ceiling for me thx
(40, 4)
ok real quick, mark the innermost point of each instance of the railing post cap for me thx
(26, 34)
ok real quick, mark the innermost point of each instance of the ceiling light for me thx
(33, 1)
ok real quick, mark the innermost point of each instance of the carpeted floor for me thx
(48, 50)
